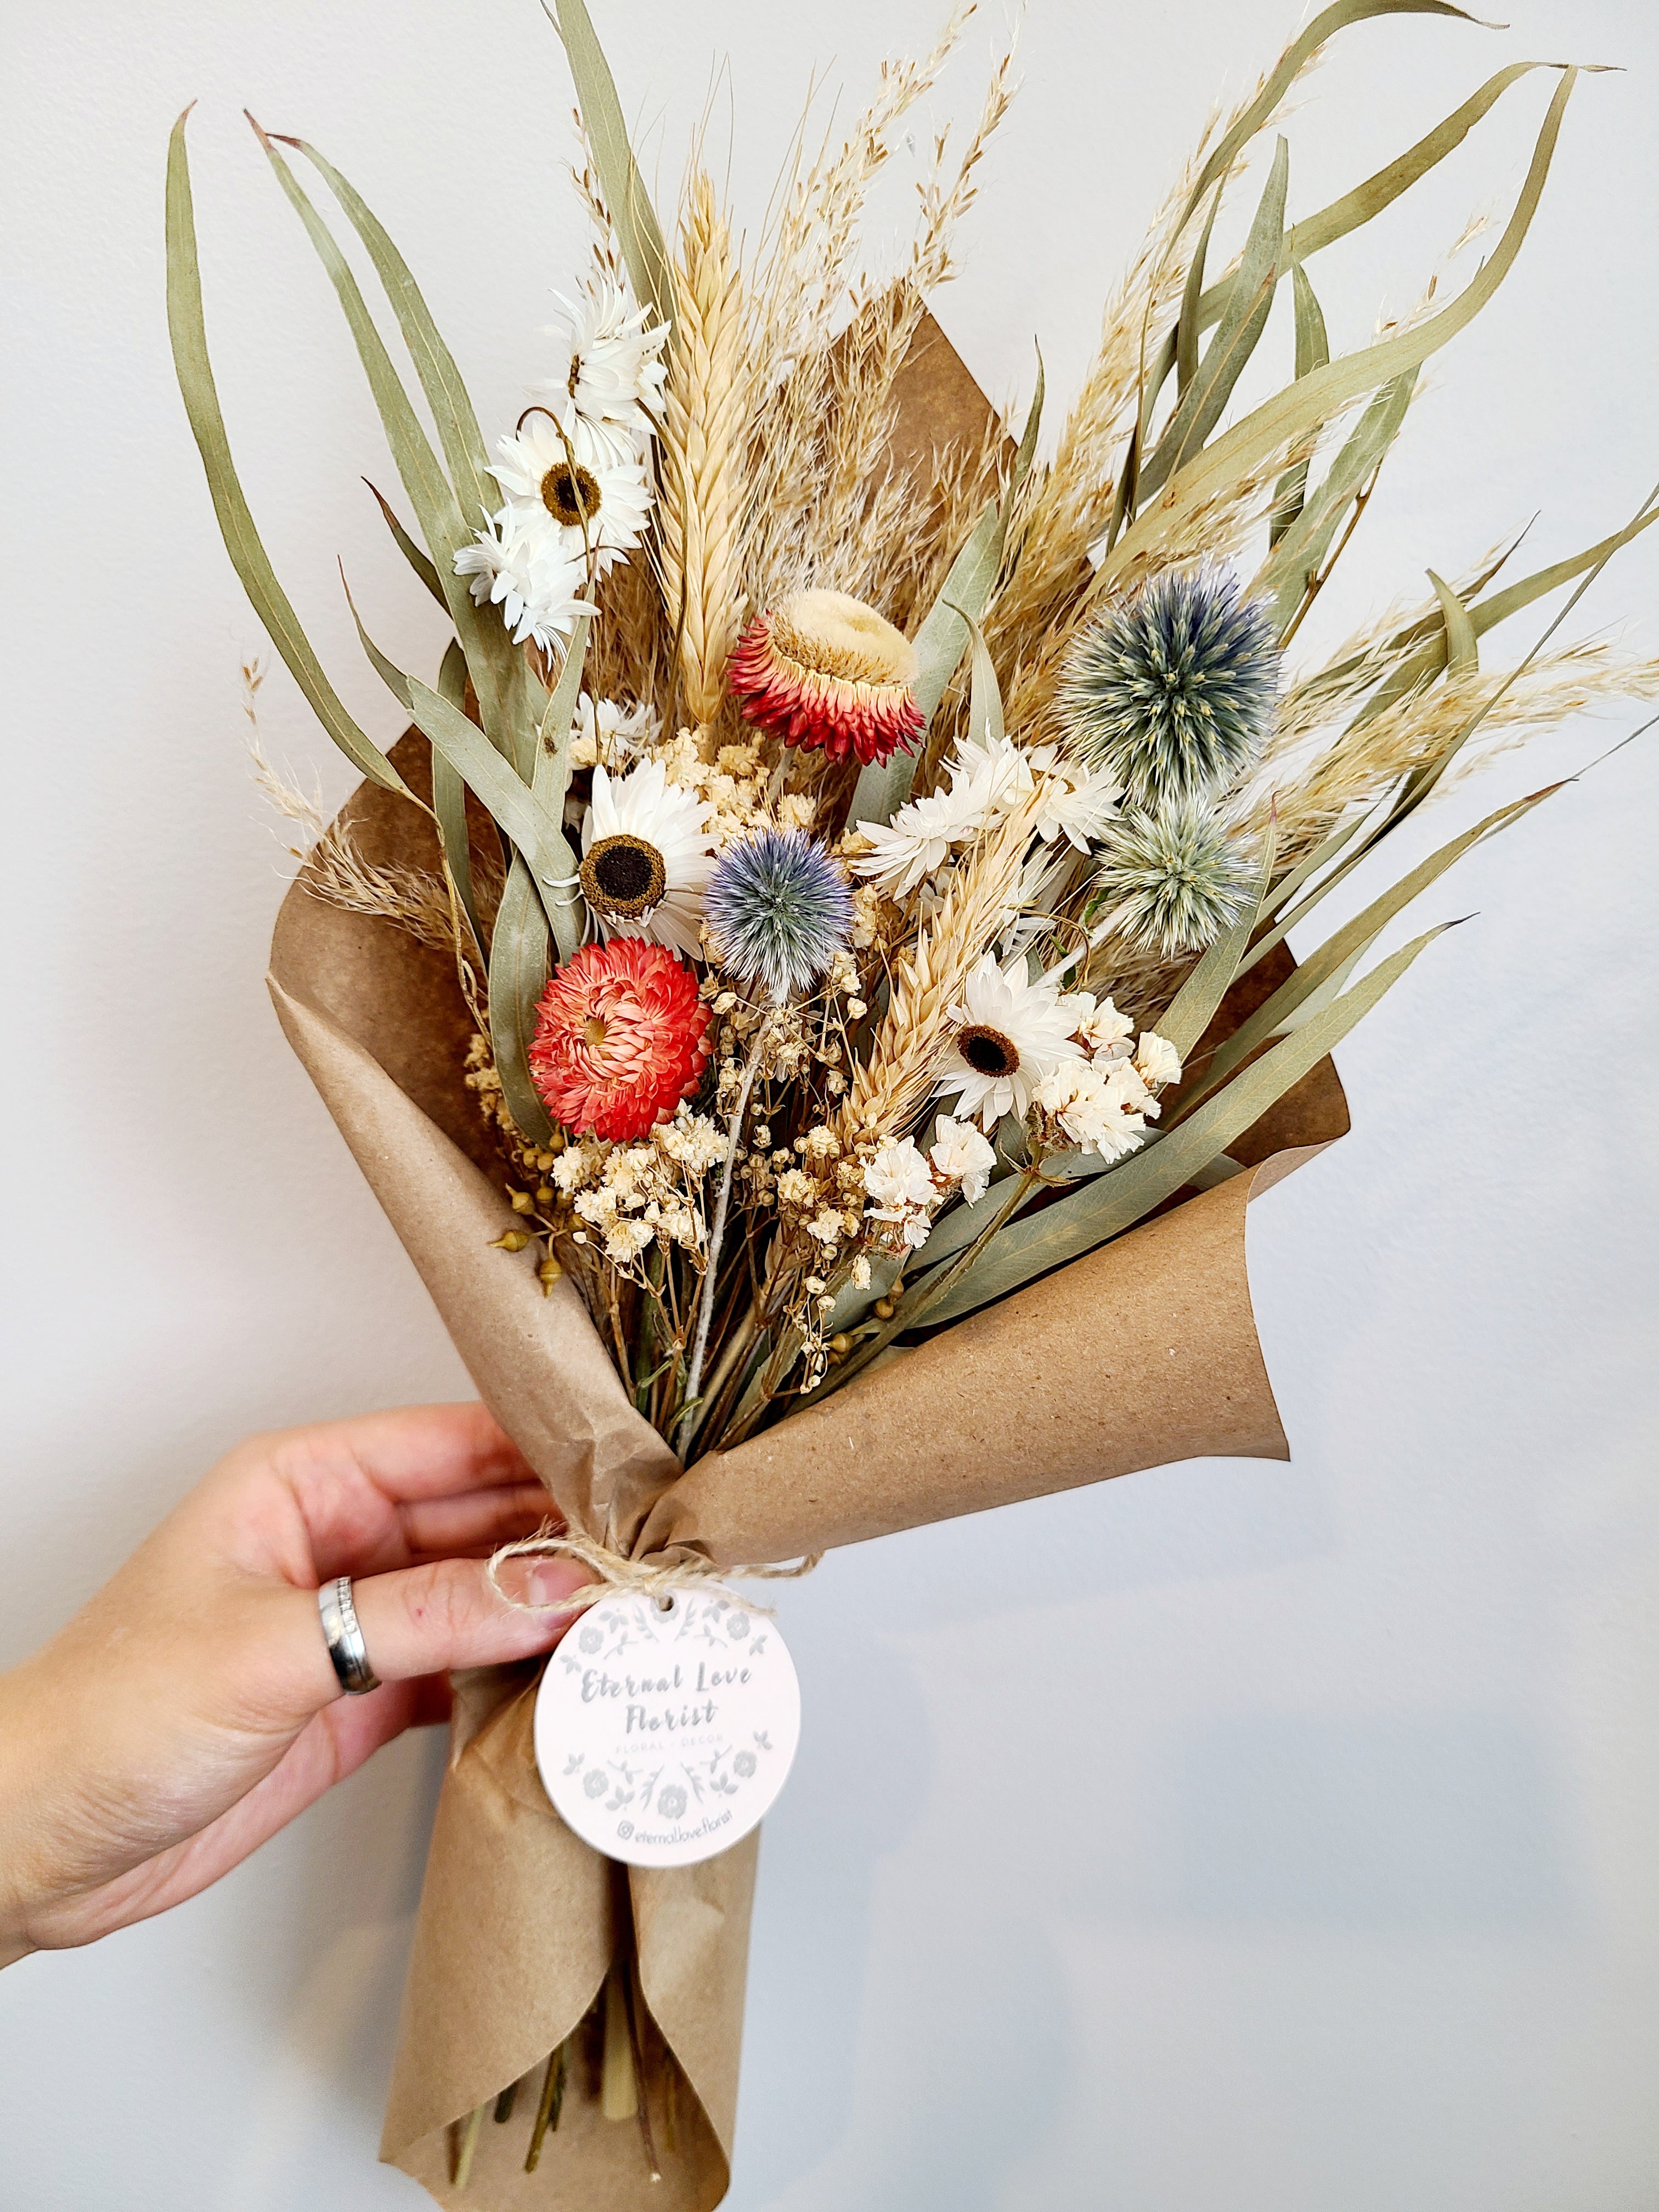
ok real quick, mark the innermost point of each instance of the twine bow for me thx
(658, 1578)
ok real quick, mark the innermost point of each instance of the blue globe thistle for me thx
(1173, 882)
(779, 909)
(1172, 690)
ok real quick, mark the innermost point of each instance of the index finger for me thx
(407, 1453)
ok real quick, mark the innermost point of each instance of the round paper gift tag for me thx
(663, 1732)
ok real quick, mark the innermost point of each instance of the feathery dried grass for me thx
(700, 454)
(305, 812)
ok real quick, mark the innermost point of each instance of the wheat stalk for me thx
(698, 546)
(891, 1085)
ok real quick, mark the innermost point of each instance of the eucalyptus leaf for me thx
(1192, 1010)
(1349, 941)
(1289, 67)
(449, 797)
(1236, 339)
(883, 786)
(535, 827)
(498, 673)
(1313, 400)
(187, 329)
(519, 963)
(1189, 327)
(1462, 647)
(644, 254)
(440, 379)
(552, 780)
(1357, 207)
(1108, 1205)
(1295, 563)
(1313, 350)
(411, 552)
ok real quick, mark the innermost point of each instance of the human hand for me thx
(191, 1709)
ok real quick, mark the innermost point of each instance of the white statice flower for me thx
(609, 735)
(607, 368)
(625, 1241)
(572, 493)
(1157, 1060)
(578, 1165)
(961, 1155)
(538, 591)
(647, 853)
(1101, 1108)
(860, 1272)
(1010, 1033)
(1077, 801)
(828, 1227)
(1105, 1031)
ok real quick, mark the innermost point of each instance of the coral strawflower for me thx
(621, 1038)
(827, 672)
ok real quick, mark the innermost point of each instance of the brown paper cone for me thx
(1139, 1354)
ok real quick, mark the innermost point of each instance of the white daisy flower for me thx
(646, 856)
(961, 1155)
(571, 493)
(1011, 1033)
(539, 593)
(1157, 1060)
(607, 365)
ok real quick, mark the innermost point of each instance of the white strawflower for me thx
(647, 853)
(1102, 1107)
(1011, 1033)
(917, 840)
(898, 1178)
(961, 1155)
(539, 591)
(606, 365)
(1105, 1029)
(989, 775)
(609, 734)
(1157, 1060)
(572, 493)
(1076, 802)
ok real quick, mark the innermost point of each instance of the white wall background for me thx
(1235, 1836)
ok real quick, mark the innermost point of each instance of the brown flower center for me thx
(623, 877)
(570, 494)
(593, 1032)
(988, 1052)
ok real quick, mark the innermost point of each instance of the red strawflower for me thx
(621, 1038)
(826, 672)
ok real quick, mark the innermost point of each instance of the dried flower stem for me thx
(700, 446)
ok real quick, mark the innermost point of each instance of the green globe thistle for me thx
(1172, 882)
(1172, 690)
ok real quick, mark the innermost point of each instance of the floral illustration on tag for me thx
(664, 1732)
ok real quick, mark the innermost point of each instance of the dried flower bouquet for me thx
(838, 885)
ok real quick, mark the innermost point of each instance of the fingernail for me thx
(553, 1581)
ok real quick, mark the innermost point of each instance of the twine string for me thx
(616, 1573)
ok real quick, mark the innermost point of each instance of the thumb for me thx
(428, 1619)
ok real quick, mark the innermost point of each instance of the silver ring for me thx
(344, 1638)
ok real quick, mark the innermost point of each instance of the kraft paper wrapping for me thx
(1138, 1355)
